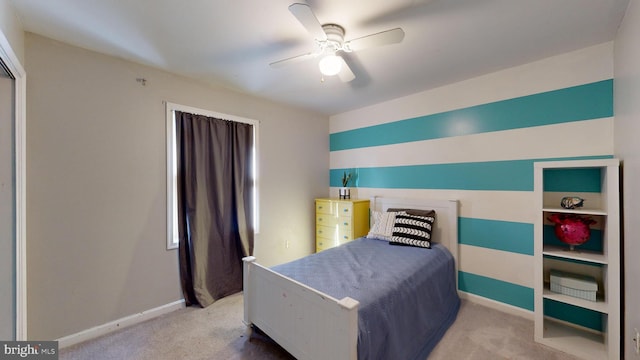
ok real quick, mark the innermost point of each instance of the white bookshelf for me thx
(603, 262)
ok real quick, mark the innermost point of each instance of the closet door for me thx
(7, 207)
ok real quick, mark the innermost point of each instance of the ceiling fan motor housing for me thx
(329, 40)
(335, 37)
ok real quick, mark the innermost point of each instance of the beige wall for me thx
(11, 28)
(96, 184)
(627, 147)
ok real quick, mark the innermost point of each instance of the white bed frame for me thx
(310, 324)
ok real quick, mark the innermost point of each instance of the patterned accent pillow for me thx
(383, 223)
(412, 230)
(418, 212)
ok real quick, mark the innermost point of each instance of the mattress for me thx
(407, 295)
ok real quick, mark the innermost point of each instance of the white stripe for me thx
(580, 138)
(488, 205)
(579, 67)
(500, 265)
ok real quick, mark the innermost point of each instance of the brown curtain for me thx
(215, 201)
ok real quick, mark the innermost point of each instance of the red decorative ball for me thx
(572, 229)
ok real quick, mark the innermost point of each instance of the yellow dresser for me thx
(340, 221)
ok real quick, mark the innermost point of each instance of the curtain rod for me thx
(209, 113)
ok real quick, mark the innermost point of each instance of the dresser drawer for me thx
(335, 208)
(325, 207)
(344, 235)
(344, 209)
(326, 237)
(345, 222)
(342, 222)
(326, 232)
(326, 220)
(323, 244)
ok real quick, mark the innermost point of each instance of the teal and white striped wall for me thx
(476, 141)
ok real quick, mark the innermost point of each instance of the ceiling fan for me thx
(330, 43)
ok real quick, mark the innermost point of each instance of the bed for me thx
(324, 307)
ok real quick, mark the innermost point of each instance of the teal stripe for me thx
(573, 180)
(583, 102)
(502, 291)
(576, 315)
(594, 243)
(509, 175)
(499, 235)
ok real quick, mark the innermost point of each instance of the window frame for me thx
(170, 108)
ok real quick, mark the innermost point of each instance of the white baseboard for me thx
(496, 305)
(122, 323)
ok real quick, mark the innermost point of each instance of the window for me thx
(172, 171)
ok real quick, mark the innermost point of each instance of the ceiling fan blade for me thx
(345, 73)
(308, 19)
(293, 60)
(392, 36)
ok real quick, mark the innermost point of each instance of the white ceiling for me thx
(232, 42)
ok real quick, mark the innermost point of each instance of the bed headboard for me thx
(446, 225)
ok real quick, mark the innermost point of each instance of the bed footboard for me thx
(304, 321)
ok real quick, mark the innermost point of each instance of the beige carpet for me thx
(217, 332)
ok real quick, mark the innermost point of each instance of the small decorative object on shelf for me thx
(576, 285)
(571, 202)
(572, 229)
(345, 192)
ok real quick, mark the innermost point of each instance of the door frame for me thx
(12, 62)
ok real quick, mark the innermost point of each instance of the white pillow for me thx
(382, 227)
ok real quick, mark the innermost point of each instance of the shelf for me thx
(584, 344)
(580, 211)
(579, 255)
(577, 164)
(561, 321)
(600, 305)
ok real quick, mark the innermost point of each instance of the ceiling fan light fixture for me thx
(330, 65)
(329, 39)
